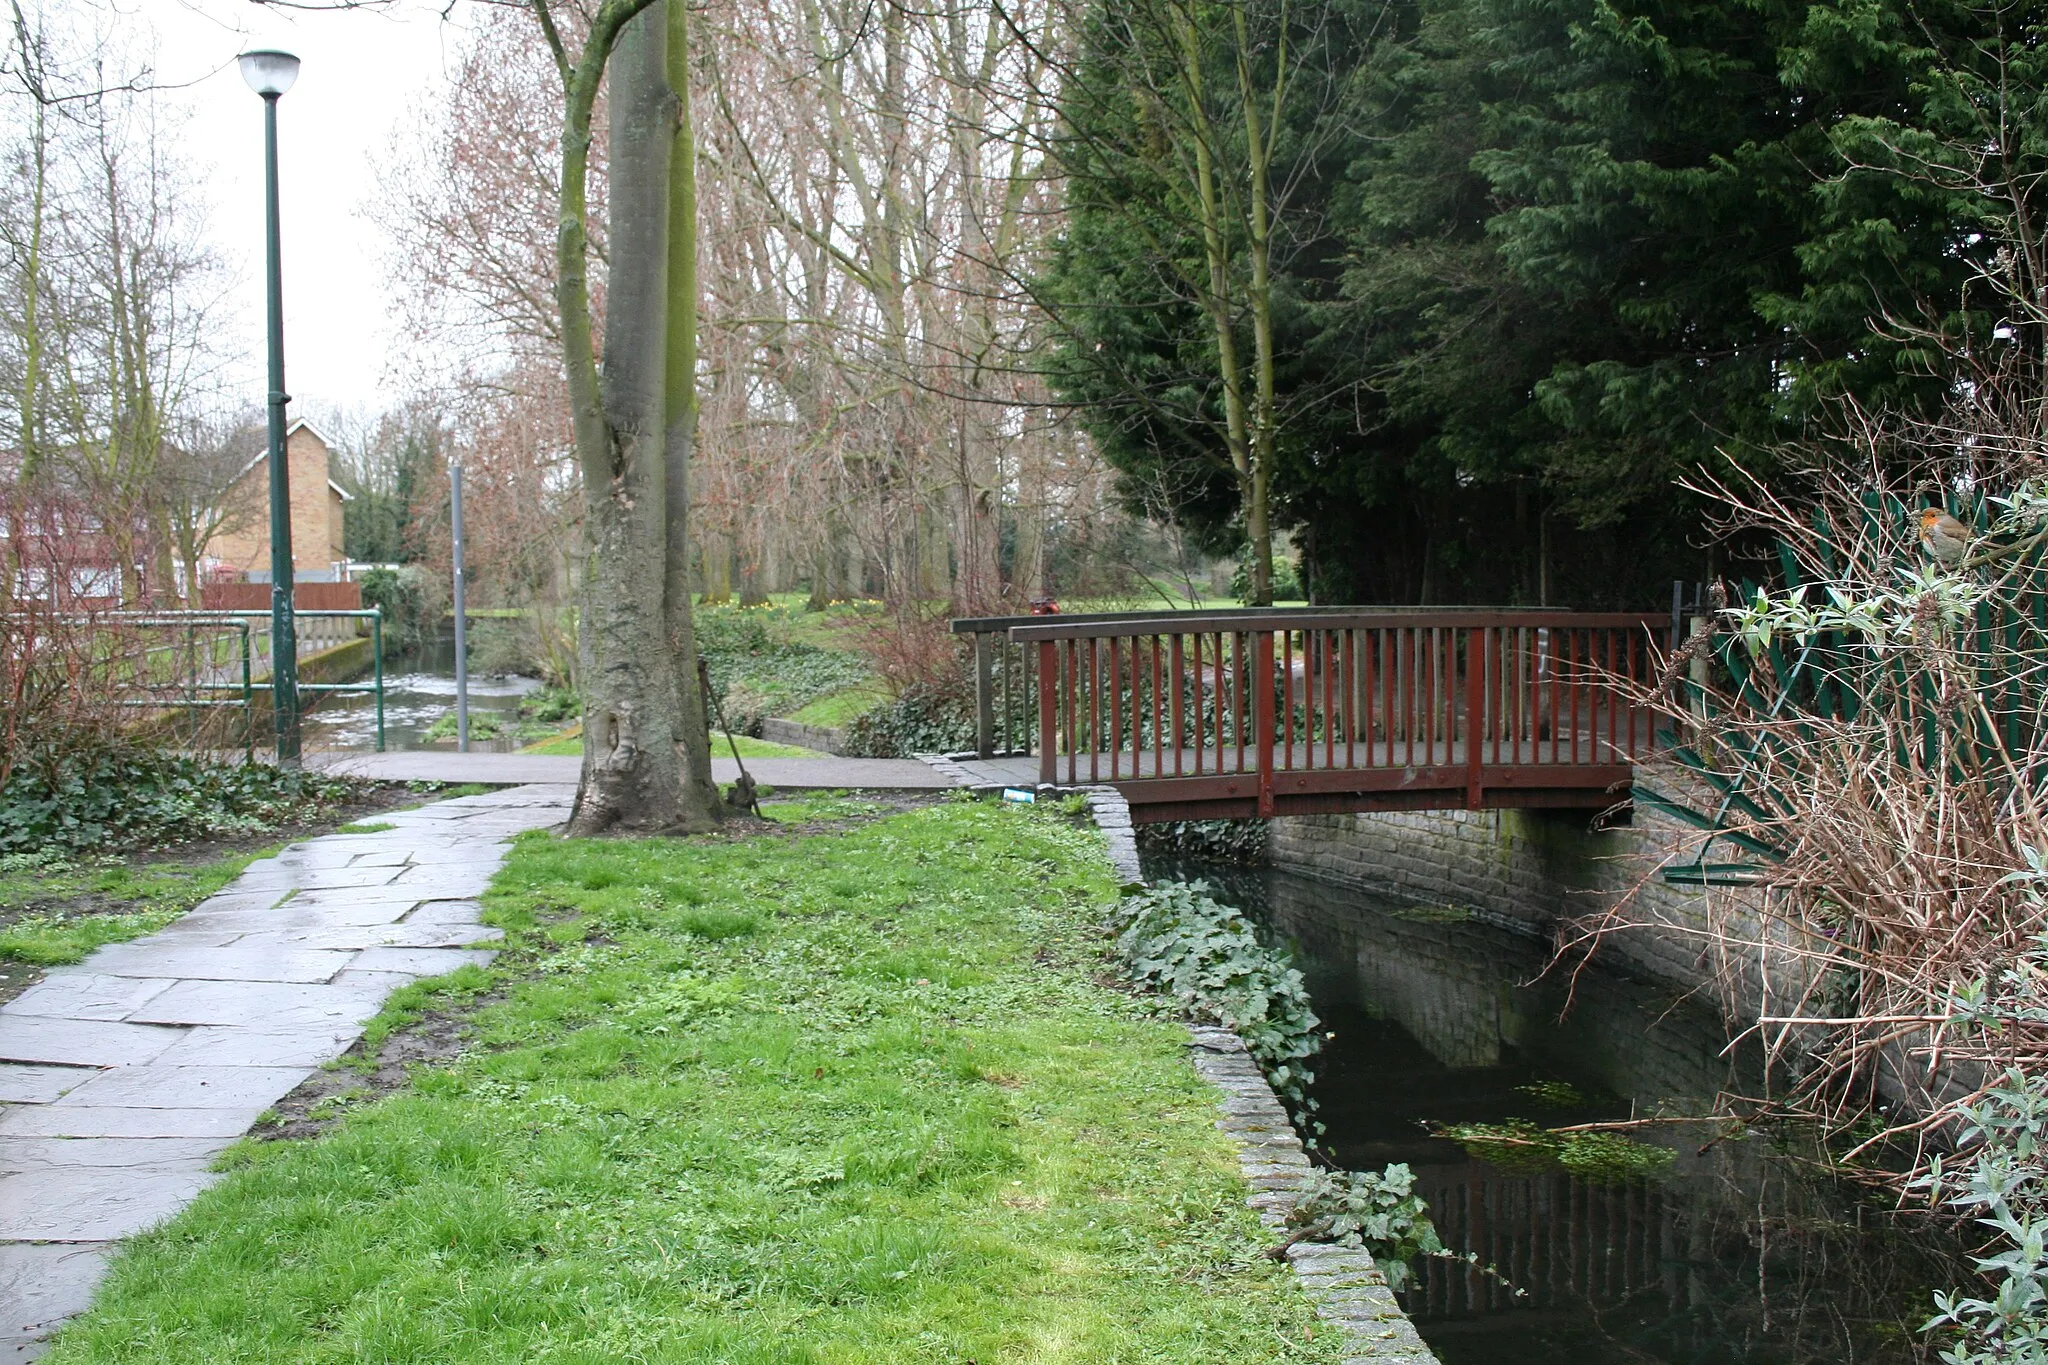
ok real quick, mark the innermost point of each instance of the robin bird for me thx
(1945, 538)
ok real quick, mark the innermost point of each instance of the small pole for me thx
(284, 638)
(984, 697)
(461, 615)
(377, 644)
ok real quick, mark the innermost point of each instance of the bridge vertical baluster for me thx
(1349, 644)
(1475, 710)
(1179, 678)
(1489, 663)
(1287, 695)
(1094, 708)
(1504, 696)
(1217, 698)
(1424, 691)
(1262, 716)
(1116, 719)
(1447, 687)
(1427, 680)
(1431, 640)
(1549, 640)
(1439, 688)
(1637, 649)
(1237, 697)
(1416, 708)
(1516, 703)
(1196, 640)
(1324, 641)
(1589, 646)
(1613, 696)
(1048, 713)
(1375, 642)
(1582, 704)
(1404, 668)
(1138, 701)
(1158, 713)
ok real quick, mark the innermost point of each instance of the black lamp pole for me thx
(270, 74)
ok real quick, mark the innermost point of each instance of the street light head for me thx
(269, 72)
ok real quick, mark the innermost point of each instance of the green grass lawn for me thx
(55, 909)
(840, 1096)
(839, 708)
(570, 741)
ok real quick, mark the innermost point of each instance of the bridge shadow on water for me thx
(1740, 1254)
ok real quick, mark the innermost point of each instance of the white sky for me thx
(365, 73)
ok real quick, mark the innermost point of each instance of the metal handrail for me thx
(240, 618)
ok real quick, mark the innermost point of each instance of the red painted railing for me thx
(1366, 710)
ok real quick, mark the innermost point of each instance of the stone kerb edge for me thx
(1348, 1290)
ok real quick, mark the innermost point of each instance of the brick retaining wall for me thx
(1551, 874)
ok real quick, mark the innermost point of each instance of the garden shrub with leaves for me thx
(551, 705)
(929, 718)
(756, 675)
(133, 797)
(1177, 939)
(396, 594)
(1222, 841)
(1377, 1210)
(482, 725)
(1998, 1173)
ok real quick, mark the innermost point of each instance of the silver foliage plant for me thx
(1997, 1171)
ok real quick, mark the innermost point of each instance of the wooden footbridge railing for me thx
(1216, 715)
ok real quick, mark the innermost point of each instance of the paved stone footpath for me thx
(782, 774)
(122, 1078)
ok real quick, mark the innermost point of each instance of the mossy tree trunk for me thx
(646, 759)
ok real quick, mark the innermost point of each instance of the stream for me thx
(419, 686)
(1739, 1253)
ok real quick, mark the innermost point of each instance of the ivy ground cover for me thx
(852, 1092)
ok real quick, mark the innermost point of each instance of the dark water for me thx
(419, 687)
(1740, 1254)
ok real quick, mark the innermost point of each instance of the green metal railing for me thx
(244, 690)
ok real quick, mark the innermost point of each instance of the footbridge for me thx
(1263, 712)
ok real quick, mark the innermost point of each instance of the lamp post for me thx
(271, 73)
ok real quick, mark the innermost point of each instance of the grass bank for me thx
(851, 1092)
(570, 742)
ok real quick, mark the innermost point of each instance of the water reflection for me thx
(1742, 1254)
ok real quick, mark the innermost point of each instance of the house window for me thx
(100, 582)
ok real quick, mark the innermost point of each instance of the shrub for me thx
(132, 797)
(396, 595)
(1221, 841)
(925, 719)
(1177, 940)
(1378, 1211)
(551, 705)
(482, 725)
(756, 675)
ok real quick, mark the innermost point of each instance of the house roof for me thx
(318, 435)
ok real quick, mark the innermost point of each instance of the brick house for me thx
(317, 506)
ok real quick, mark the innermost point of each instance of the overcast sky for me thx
(365, 74)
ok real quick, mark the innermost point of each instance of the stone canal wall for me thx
(1347, 1287)
(1552, 874)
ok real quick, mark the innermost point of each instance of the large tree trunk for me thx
(633, 724)
(701, 800)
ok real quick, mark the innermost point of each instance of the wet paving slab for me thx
(124, 1077)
